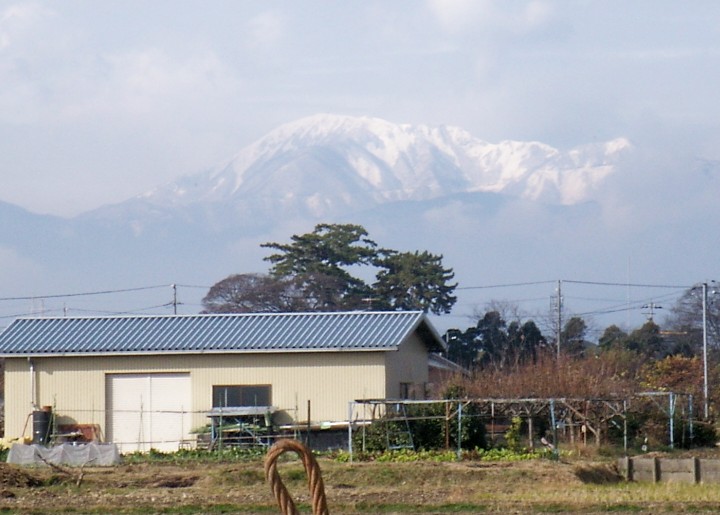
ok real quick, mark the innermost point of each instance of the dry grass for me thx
(469, 487)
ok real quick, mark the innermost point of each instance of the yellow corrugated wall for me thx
(75, 386)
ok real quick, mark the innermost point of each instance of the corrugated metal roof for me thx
(267, 332)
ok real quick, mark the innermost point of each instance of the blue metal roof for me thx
(267, 332)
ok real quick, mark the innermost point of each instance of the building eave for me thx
(193, 352)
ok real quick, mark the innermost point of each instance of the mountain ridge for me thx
(319, 164)
(500, 214)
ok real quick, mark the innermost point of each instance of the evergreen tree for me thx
(313, 273)
(414, 281)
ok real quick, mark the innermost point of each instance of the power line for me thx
(616, 306)
(625, 285)
(610, 310)
(570, 281)
(503, 285)
(125, 312)
(482, 287)
(665, 296)
(625, 306)
(83, 294)
(21, 315)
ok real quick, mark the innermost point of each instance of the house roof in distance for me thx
(216, 333)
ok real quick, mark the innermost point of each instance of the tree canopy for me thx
(263, 293)
(685, 322)
(495, 344)
(573, 336)
(326, 250)
(414, 281)
(508, 357)
(316, 272)
(245, 293)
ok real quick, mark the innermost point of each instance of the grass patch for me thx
(624, 508)
(406, 508)
(220, 508)
(405, 487)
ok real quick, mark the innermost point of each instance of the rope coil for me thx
(312, 469)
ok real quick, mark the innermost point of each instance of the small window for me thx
(405, 389)
(241, 395)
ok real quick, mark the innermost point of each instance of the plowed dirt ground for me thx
(539, 486)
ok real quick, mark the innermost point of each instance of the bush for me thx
(513, 436)
(373, 437)
(441, 430)
(503, 455)
(431, 428)
(704, 434)
(230, 454)
(407, 455)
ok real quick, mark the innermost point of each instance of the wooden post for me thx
(626, 466)
(447, 426)
(492, 423)
(307, 437)
(656, 470)
(531, 444)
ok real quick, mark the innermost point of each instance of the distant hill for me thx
(499, 212)
(329, 165)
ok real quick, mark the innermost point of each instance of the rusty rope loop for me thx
(312, 469)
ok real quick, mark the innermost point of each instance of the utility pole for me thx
(559, 316)
(174, 303)
(705, 363)
(651, 310)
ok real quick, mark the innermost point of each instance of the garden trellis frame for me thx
(564, 414)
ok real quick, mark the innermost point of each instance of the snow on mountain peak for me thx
(326, 161)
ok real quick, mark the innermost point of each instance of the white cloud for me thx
(459, 15)
(83, 80)
(152, 81)
(22, 25)
(22, 15)
(537, 13)
(264, 30)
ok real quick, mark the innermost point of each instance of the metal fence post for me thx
(350, 446)
(459, 435)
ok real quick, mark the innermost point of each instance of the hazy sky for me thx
(102, 100)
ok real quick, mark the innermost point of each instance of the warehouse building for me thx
(151, 381)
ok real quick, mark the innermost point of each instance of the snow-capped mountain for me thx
(326, 164)
(498, 212)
